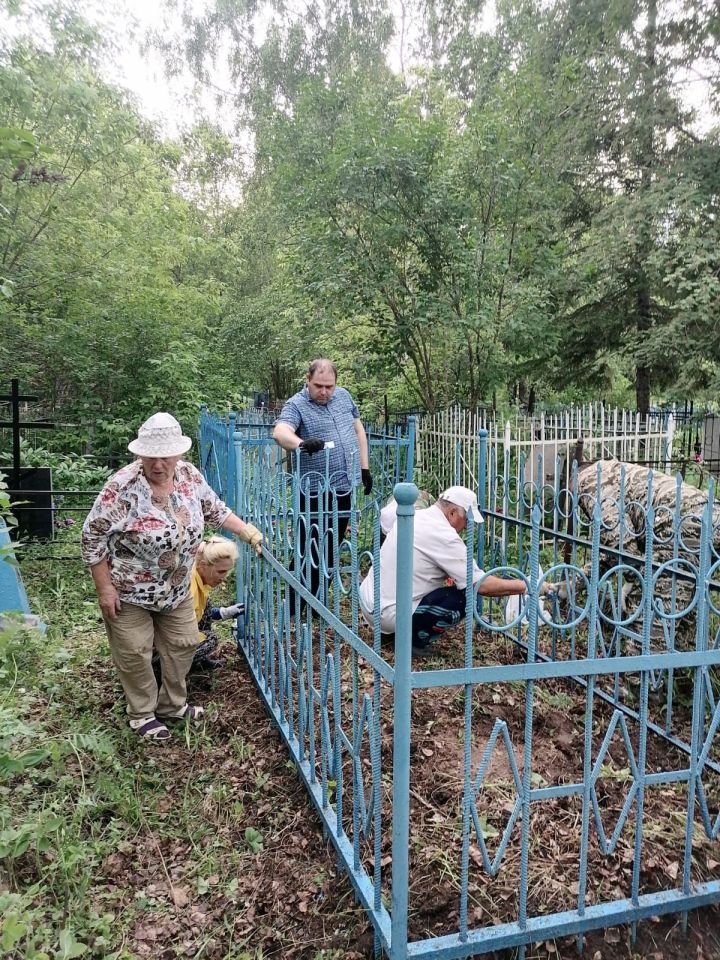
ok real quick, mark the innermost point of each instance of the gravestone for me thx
(711, 444)
(32, 502)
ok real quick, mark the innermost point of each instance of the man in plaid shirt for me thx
(323, 423)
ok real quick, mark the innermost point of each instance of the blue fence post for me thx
(410, 463)
(202, 435)
(704, 607)
(532, 615)
(405, 495)
(240, 509)
(482, 492)
(230, 466)
(589, 703)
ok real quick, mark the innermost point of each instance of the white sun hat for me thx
(160, 436)
(465, 498)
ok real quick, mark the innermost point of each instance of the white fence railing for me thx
(447, 447)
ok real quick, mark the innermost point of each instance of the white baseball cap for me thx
(465, 498)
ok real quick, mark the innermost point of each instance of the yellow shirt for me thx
(199, 591)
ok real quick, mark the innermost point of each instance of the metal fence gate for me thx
(625, 654)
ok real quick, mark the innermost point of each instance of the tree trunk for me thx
(531, 400)
(642, 390)
(642, 372)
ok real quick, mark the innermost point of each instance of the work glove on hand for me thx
(549, 589)
(311, 445)
(367, 482)
(228, 613)
(252, 536)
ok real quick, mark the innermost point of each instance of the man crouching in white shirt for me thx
(439, 553)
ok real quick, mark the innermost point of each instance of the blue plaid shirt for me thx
(331, 421)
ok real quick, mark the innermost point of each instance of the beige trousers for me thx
(132, 636)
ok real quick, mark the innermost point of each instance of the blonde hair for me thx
(215, 549)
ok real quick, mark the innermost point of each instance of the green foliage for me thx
(16, 144)
(108, 266)
(527, 207)
(498, 219)
(253, 839)
(69, 472)
(7, 554)
(79, 791)
(5, 504)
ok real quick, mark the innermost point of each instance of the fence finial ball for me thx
(405, 494)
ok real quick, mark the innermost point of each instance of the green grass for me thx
(66, 798)
(77, 788)
(117, 849)
(93, 821)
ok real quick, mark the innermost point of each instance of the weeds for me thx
(108, 844)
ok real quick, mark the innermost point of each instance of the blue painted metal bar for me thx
(628, 711)
(468, 794)
(344, 632)
(640, 774)
(698, 716)
(363, 887)
(549, 669)
(405, 495)
(552, 926)
(528, 733)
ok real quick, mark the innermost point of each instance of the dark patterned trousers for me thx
(437, 611)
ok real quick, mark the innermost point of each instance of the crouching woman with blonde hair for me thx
(215, 560)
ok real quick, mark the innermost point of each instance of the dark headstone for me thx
(33, 495)
(711, 444)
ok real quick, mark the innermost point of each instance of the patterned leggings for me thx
(436, 612)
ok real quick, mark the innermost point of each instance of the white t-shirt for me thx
(388, 516)
(439, 552)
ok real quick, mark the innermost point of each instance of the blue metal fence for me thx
(635, 672)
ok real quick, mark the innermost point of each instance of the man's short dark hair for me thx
(320, 364)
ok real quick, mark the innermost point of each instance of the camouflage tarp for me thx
(623, 490)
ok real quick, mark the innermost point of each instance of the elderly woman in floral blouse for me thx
(140, 541)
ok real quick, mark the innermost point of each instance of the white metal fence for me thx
(544, 446)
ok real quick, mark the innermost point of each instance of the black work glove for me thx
(367, 482)
(311, 445)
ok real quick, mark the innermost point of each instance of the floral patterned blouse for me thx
(150, 543)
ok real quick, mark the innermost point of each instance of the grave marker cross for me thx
(15, 397)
